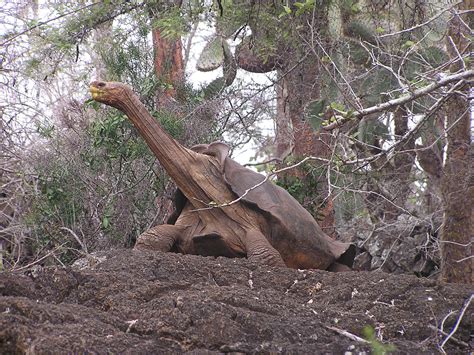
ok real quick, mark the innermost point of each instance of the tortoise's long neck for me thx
(174, 158)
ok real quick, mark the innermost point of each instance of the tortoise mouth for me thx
(95, 88)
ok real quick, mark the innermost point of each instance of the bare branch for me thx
(458, 321)
(421, 24)
(358, 115)
(273, 160)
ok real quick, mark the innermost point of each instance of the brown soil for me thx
(128, 301)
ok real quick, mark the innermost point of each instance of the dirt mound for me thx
(128, 301)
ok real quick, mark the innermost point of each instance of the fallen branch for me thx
(347, 334)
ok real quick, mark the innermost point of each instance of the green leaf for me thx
(337, 106)
(408, 44)
(105, 222)
(355, 9)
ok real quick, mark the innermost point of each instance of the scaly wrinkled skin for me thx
(267, 224)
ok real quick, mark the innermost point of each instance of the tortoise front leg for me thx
(258, 248)
(160, 238)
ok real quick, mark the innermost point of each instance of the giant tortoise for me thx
(223, 208)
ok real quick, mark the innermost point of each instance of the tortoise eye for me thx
(100, 84)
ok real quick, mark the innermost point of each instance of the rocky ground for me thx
(127, 301)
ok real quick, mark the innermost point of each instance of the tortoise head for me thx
(111, 93)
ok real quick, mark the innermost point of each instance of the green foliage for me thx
(305, 189)
(378, 348)
(375, 86)
(286, 11)
(172, 124)
(234, 15)
(314, 113)
(101, 184)
(349, 7)
(306, 6)
(55, 205)
(45, 130)
(171, 24)
(434, 56)
(371, 130)
(131, 61)
(303, 7)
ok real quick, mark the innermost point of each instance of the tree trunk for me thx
(169, 67)
(283, 138)
(457, 183)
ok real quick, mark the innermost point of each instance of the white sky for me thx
(197, 78)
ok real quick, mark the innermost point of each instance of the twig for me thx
(450, 313)
(40, 259)
(457, 52)
(458, 321)
(464, 259)
(39, 24)
(421, 24)
(278, 160)
(456, 340)
(347, 334)
(247, 191)
(455, 243)
(48, 21)
(81, 243)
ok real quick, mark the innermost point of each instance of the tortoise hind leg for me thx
(160, 238)
(259, 249)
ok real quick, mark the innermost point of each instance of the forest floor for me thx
(128, 301)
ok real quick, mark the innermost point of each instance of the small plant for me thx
(377, 347)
